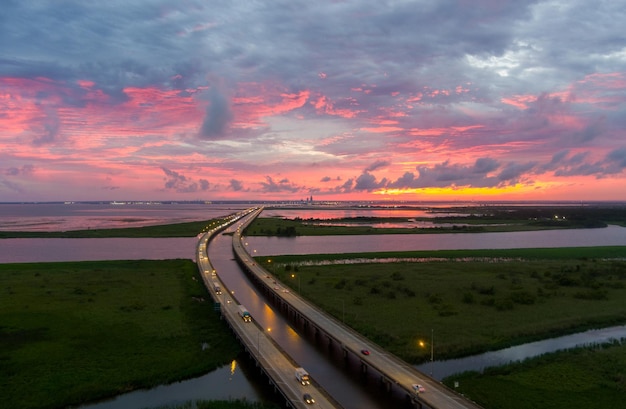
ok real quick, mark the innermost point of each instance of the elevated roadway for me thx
(394, 372)
(274, 363)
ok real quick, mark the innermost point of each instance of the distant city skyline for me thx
(334, 100)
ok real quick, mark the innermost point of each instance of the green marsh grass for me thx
(74, 332)
(588, 377)
(473, 301)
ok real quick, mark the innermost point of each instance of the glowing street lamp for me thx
(294, 276)
(422, 344)
(258, 339)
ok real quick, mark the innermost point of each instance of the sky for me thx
(291, 99)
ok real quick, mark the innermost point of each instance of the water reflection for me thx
(225, 383)
(608, 236)
(442, 369)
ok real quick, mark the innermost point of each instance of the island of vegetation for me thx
(481, 219)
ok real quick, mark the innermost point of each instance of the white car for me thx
(417, 388)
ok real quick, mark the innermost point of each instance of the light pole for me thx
(343, 311)
(258, 339)
(294, 276)
(422, 344)
(432, 349)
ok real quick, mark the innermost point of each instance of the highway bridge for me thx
(277, 367)
(395, 375)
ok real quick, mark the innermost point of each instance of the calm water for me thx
(83, 216)
(228, 382)
(39, 250)
(441, 369)
(266, 246)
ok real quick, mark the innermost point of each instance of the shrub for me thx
(468, 298)
(397, 276)
(504, 304)
(523, 297)
(341, 284)
(592, 295)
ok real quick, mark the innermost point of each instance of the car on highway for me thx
(417, 388)
(308, 399)
(365, 351)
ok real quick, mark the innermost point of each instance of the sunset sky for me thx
(339, 100)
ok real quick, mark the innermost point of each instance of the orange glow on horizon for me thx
(462, 191)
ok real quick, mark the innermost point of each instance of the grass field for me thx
(73, 332)
(472, 300)
(593, 377)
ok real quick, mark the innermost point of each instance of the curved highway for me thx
(275, 364)
(336, 362)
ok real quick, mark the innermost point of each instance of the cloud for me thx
(483, 173)
(377, 165)
(485, 165)
(461, 94)
(236, 185)
(513, 172)
(616, 161)
(11, 186)
(284, 185)
(182, 184)
(367, 181)
(217, 117)
(25, 170)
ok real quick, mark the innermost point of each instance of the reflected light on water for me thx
(292, 334)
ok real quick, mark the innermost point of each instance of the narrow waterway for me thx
(442, 369)
(226, 383)
(235, 382)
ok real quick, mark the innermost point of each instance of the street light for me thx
(258, 339)
(432, 349)
(343, 310)
(294, 276)
(422, 344)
